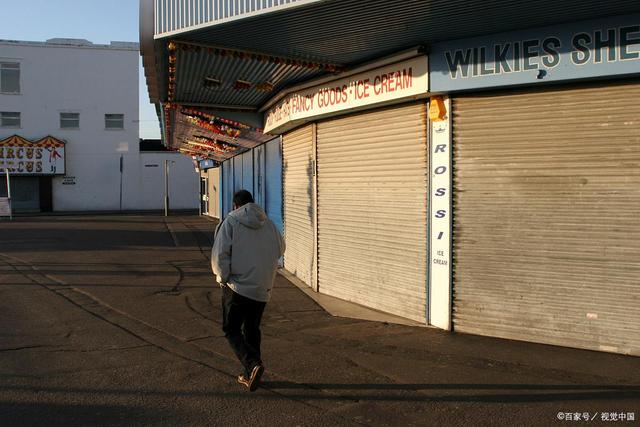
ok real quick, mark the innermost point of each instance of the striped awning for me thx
(46, 142)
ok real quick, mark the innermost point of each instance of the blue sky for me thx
(98, 21)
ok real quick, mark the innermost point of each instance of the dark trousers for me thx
(241, 318)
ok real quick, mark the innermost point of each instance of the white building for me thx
(84, 96)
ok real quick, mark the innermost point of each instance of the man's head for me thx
(241, 198)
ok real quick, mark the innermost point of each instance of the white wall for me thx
(183, 181)
(92, 81)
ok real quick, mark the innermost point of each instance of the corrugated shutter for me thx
(372, 209)
(273, 182)
(227, 187)
(213, 182)
(299, 222)
(259, 176)
(546, 229)
(247, 171)
(237, 173)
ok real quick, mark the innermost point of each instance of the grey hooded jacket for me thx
(245, 252)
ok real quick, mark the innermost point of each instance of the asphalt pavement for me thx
(115, 320)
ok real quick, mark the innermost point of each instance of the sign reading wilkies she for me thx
(41, 157)
(581, 50)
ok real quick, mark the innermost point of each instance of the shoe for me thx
(244, 381)
(256, 374)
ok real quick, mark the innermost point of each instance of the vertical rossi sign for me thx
(440, 213)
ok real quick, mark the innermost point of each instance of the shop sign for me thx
(207, 164)
(392, 82)
(589, 49)
(440, 214)
(20, 156)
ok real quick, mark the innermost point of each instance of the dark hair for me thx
(242, 197)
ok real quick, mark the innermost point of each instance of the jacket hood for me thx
(250, 215)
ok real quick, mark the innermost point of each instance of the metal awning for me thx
(241, 63)
(206, 134)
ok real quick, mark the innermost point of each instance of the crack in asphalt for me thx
(165, 341)
(25, 347)
(99, 350)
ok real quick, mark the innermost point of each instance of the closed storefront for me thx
(372, 210)
(299, 206)
(258, 171)
(485, 180)
(31, 164)
(25, 193)
(356, 187)
(546, 198)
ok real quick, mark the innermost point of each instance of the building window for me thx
(69, 120)
(114, 121)
(9, 119)
(9, 77)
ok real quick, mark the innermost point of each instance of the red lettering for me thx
(366, 88)
(390, 85)
(376, 85)
(345, 98)
(399, 81)
(359, 85)
(407, 77)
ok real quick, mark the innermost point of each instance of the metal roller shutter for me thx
(273, 181)
(372, 209)
(546, 204)
(299, 223)
(247, 171)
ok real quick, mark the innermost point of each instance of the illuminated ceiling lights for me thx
(198, 144)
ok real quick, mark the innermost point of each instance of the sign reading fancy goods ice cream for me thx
(23, 157)
(392, 82)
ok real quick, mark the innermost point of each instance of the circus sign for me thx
(21, 156)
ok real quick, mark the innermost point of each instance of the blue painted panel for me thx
(227, 187)
(273, 182)
(582, 50)
(237, 173)
(247, 171)
(258, 175)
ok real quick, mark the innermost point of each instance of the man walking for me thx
(244, 259)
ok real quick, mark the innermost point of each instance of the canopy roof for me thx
(239, 63)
